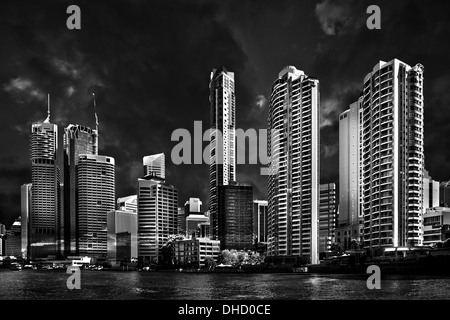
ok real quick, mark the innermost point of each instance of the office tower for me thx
(222, 146)
(25, 207)
(430, 192)
(95, 178)
(444, 194)
(327, 216)
(260, 220)
(14, 239)
(122, 236)
(293, 147)
(45, 218)
(235, 216)
(78, 140)
(351, 220)
(155, 165)
(157, 217)
(393, 158)
(127, 203)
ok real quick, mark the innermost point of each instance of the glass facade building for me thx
(222, 146)
(96, 196)
(78, 140)
(235, 216)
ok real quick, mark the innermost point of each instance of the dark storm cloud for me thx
(339, 16)
(149, 62)
(412, 31)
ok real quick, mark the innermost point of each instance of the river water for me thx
(107, 285)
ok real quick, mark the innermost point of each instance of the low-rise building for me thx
(436, 224)
(193, 252)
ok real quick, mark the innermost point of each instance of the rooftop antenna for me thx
(96, 122)
(48, 109)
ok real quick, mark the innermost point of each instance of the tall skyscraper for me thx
(235, 216)
(351, 220)
(350, 169)
(393, 156)
(222, 146)
(78, 140)
(260, 220)
(294, 156)
(327, 216)
(155, 165)
(25, 208)
(45, 217)
(157, 217)
(96, 196)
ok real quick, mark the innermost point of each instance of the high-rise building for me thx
(14, 239)
(122, 236)
(25, 208)
(78, 140)
(96, 196)
(430, 192)
(351, 220)
(327, 216)
(155, 165)
(127, 203)
(235, 216)
(350, 169)
(222, 146)
(393, 155)
(45, 218)
(260, 220)
(157, 217)
(294, 155)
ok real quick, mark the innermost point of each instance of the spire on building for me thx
(48, 109)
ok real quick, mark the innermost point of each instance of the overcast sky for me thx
(149, 64)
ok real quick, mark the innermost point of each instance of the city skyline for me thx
(137, 115)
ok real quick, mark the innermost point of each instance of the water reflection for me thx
(105, 285)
